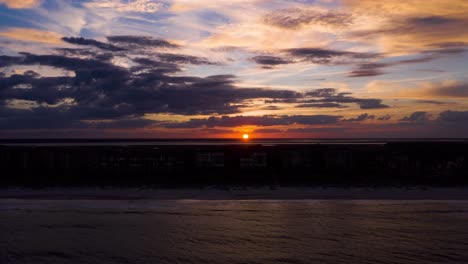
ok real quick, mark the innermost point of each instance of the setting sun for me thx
(245, 136)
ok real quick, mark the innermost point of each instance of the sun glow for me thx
(245, 136)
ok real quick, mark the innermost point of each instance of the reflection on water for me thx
(184, 231)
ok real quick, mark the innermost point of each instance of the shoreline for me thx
(240, 193)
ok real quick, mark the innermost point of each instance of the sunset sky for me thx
(192, 68)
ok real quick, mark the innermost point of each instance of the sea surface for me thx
(233, 231)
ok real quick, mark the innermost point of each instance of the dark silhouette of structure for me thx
(180, 164)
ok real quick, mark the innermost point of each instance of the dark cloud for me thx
(330, 95)
(293, 18)
(447, 48)
(321, 105)
(271, 107)
(8, 60)
(365, 61)
(365, 73)
(142, 41)
(41, 90)
(360, 118)
(36, 118)
(226, 121)
(290, 100)
(183, 59)
(416, 60)
(431, 21)
(385, 117)
(327, 56)
(77, 52)
(100, 90)
(371, 104)
(132, 45)
(270, 61)
(418, 116)
(368, 69)
(456, 44)
(431, 102)
(323, 92)
(154, 66)
(460, 117)
(450, 90)
(64, 62)
(92, 42)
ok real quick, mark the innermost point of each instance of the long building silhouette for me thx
(179, 164)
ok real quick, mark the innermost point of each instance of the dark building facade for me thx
(439, 163)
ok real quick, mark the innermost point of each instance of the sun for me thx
(245, 136)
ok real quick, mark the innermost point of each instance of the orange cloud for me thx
(404, 27)
(448, 89)
(408, 7)
(19, 4)
(32, 35)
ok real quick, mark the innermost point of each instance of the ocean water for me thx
(233, 231)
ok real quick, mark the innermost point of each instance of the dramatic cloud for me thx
(371, 104)
(92, 42)
(8, 60)
(141, 41)
(326, 56)
(101, 65)
(323, 56)
(385, 117)
(361, 118)
(101, 90)
(180, 58)
(460, 117)
(329, 98)
(330, 95)
(419, 116)
(133, 45)
(122, 43)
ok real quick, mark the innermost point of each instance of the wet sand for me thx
(239, 193)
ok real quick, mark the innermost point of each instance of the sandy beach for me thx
(240, 193)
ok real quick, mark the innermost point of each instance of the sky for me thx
(218, 69)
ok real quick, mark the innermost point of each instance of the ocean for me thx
(233, 231)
